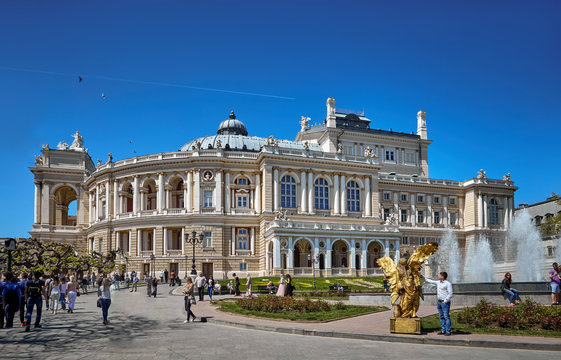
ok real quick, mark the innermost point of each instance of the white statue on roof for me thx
(304, 123)
(369, 153)
(482, 174)
(62, 145)
(78, 141)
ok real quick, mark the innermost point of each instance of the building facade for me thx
(539, 213)
(333, 201)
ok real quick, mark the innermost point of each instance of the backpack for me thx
(34, 289)
(12, 297)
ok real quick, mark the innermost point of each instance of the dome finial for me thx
(232, 115)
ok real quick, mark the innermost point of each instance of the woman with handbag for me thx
(189, 292)
(104, 293)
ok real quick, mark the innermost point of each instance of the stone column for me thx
(290, 256)
(276, 254)
(135, 195)
(90, 206)
(343, 195)
(336, 198)
(445, 214)
(303, 193)
(387, 248)
(364, 257)
(485, 212)
(511, 207)
(506, 212)
(108, 204)
(165, 230)
(189, 193)
(197, 191)
(252, 241)
(257, 194)
(97, 204)
(154, 241)
(480, 210)
(160, 194)
(352, 263)
(368, 201)
(129, 242)
(183, 241)
(397, 252)
(118, 241)
(311, 193)
(227, 193)
(429, 210)
(276, 192)
(413, 212)
(396, 206)
(218, 192)
(115, 198)
(142, 200)
(138, 242)
(233, 242)
(37, 207)
(461, 212)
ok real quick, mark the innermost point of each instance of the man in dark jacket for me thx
(11, 298)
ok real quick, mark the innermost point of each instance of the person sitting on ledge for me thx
(506, 288)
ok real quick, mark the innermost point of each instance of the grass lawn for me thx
(320, 316)
(305, 283)
(336, 298)
(432, 323)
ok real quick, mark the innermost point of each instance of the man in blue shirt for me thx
(10, 298)
(22, 284)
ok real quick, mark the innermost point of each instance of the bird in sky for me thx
(130, 141)
(102, 95)
(80, 79)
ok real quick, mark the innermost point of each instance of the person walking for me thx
(200, 281)
(104, 293)
(236, 285)
(210, 285)
(2, 312)
(84, 285)
(161, 276)
(172, 279)
(282, 287)
(63, 292)
(134, 283)
(148, 280)
(166, 275)
(555, 284)
(506, 288)
(154, 286)
(289, 286)
(443, 295)
(71, 293)
(10, 298)
(34, 293)
(189, 292)
(248, 285)
(22, 283)
(54, 297)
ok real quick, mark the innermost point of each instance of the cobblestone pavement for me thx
(148, 328)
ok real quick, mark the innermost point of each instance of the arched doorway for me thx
(65, 206)
(302, 253)
(339, 254)
(375, 251)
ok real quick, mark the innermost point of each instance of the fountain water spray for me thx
(448, 256)
(529, 253)
(479, 263)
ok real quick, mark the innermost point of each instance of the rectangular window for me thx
(208, 198)
(452, 201)
(420, 216)
(437, 217)
(437, 199)
(420, 198)
(386, 214)
(208, 239)
(390, 156)
(405, 240)
(242, 239)
(422, 241)
(403, 215)
(403, 197)
(387, 196)
(242, 201)
(242, 181)
(243, 266)
(452, 218)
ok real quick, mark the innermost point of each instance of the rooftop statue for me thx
(405, 280)
(218, 144)
(110, 158)
(38, 160)
(62, 145)
(78, 141)
(271, 141)
(369, 153)
(306, 146)
(304, 123)
(507, 177)
(339, 148)
(481, 174)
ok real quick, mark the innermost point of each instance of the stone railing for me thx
(56, 228)
(148, 212)
(238, 211)
(146, 253)
(174, 211)
(329, 226)
(174, 252)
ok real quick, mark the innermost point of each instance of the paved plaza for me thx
(148, 328)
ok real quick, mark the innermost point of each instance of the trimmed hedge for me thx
(527, 315)
(278, 304)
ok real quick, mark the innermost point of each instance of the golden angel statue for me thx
(404, 280)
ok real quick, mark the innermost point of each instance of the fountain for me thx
(529, 254)
(448, 256)
(479, 262)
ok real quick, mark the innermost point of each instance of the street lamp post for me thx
(153, 263)
(9, 246)
(314, 262)
(194, 240)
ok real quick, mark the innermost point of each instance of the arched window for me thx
(493, 212)
(288, 192)
(321, 190)
(353, 196)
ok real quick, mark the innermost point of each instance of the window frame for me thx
(288, 192)
(321, 194)
(353, 196)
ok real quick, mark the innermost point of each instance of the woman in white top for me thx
(104, 293)
(282, 287)
(248, 286)
(54, 291)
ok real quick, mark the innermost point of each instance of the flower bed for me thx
(277, 304)
(528, 315)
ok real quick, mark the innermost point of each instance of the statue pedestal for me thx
(405, 325)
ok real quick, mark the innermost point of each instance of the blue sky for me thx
(487, 74)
